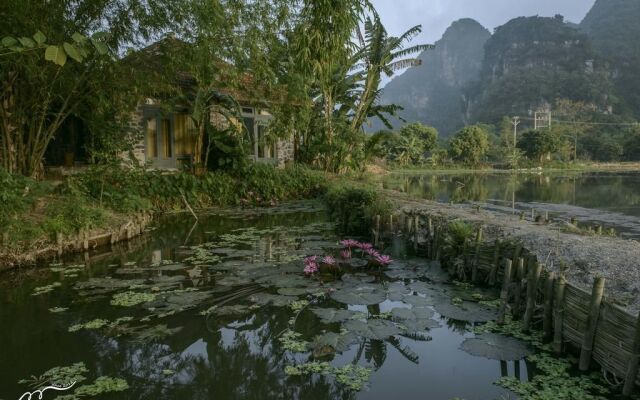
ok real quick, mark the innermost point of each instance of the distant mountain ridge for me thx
(529, 62)
(436, 98)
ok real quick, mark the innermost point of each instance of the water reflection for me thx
(188, 356)
(612, 199)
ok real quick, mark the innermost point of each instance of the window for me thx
(152, 138)
(185, 134)
(166, 138)
(262, 145)
(247, 110)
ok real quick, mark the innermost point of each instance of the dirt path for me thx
(616, 259)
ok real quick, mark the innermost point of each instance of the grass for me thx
(33, 212)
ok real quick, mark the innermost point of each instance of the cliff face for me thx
(614, 30)
(433, 93)
(530, 62)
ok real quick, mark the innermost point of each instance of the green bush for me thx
(354, 207)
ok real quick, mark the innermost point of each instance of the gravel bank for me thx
(616, 259)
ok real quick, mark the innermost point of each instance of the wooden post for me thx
(632, 364)
(547, 322)
(504, 293)
(494, 266)
(558, 305)
(592, 323)
(476, 261)
(517, 305)
(407, 224)
(532, 287)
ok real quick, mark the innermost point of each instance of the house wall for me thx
(284, 148)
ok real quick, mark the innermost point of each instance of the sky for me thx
(435, 16)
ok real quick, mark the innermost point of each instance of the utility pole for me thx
(515, 122)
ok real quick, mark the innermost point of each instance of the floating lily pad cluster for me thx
(73, 375)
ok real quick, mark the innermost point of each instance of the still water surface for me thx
(166, 349)
(611, 199)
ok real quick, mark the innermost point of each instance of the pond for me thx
(608, 198)
(222, 310)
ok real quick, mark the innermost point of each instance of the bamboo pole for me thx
(416, 226)
(632, 364)
(547, 322)
(592, 323)
(504, 293)
(494, 266)
(558, 323)
(519, 273)
(476, 261)
(532, 286)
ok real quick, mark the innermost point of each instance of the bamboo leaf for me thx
(27, 42)
(79, 38)
(39, 37)
(100, 47)
(56, 55)
(72, 52)
(9, 41)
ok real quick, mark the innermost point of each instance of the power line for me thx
(557, 121)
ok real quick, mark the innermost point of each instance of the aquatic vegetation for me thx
(466, 311)
(58, 309)
(372, 328)
(94, 324)
(554, 381)
(354, 377)
(129, 299)
(298, 305)
(495, 347)
(291, 341)
(61, 376)
(45, 289)
(331, 342)
(331, 315)
(363, 295)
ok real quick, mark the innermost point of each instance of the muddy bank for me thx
(614, 258)
(121, 229)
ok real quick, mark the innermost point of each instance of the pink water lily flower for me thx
(383, 260)
(365, 246)
(311, 268)
(373, 252)
(349, 243)
(346, 254)
(310, 260)
(329, 260)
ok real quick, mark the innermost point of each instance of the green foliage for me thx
(537, 144)
(470, 145)
(427, 135)
(354, 207)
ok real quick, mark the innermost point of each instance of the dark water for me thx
(611, 199)
(169, 350)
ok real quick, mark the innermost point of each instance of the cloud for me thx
(435, 16)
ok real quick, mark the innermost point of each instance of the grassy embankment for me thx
(33, 213)
(551, 167)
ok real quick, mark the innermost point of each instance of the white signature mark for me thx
(40, 392)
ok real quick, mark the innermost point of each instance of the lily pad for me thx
(330, 315)
(365, 295)
(331, 342)
(418, 301)
(467, 311)
(396, 291)
(496, 347)
(379, 329)
(275, 299)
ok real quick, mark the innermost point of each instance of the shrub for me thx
(353, 207)
(470, 145)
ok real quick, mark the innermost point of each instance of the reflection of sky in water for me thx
(227, 357)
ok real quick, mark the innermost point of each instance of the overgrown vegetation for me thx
(33, 212)
(354, 207)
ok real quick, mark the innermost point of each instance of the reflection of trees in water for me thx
(585, 190)
(246, 362)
